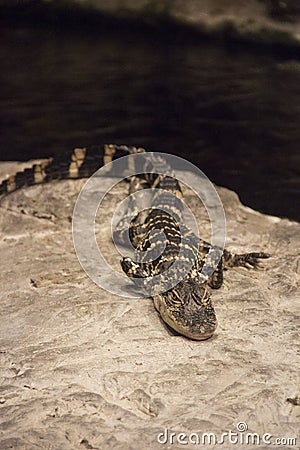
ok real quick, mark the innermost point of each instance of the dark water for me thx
(233, 112)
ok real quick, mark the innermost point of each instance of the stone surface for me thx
(83, 369)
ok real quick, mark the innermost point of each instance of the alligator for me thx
(186, 306)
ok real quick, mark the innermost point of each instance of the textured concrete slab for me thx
(83, 369)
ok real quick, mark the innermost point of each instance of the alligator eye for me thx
(175, 299)
(199, 297)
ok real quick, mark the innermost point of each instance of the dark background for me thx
(232, 110)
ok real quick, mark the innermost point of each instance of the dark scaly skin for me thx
(187, 306)
(194, 317)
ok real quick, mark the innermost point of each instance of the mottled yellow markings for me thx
(156, 181)
(109, 151)
(77, 159)
(11, 183)
(39, 172)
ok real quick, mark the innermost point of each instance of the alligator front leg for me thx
(249, 260)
